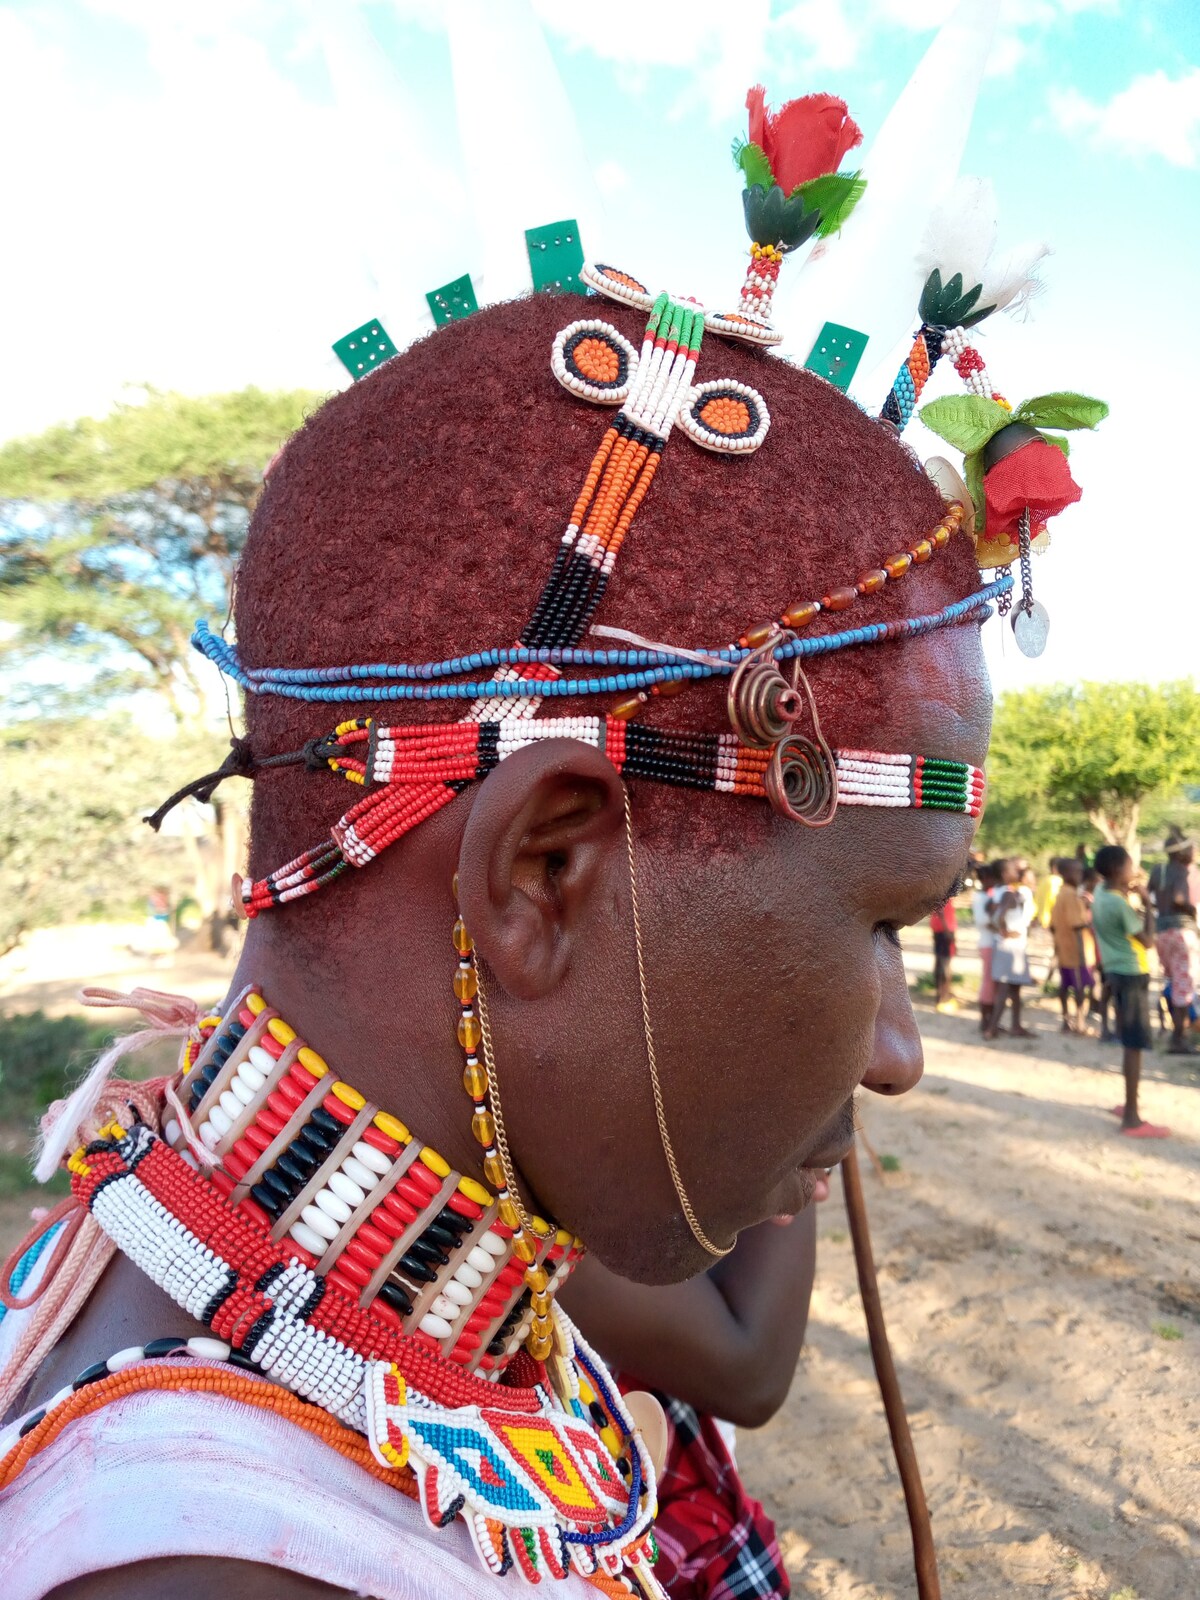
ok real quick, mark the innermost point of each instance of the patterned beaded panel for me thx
(308, 1159)
(615, 284)
(595, 362)
(725, 416)
(743, 326)
(530, 1464)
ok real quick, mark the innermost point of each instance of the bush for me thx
(40, 1059)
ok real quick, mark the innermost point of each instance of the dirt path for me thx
(1041, 1278)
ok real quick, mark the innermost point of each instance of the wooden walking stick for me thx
(924, 1554)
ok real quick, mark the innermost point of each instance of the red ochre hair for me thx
(416, 514)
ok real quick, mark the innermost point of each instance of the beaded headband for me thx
(776, 749)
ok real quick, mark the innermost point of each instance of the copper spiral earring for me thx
(764, 707)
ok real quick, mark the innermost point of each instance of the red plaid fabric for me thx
(715, 1542)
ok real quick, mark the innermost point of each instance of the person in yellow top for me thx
(1125, 935)
(1047, 892)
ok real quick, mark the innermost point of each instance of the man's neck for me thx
(396, 1046)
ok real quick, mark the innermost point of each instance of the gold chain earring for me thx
(685, 1205)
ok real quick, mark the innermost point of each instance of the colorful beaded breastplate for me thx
(349, 1263)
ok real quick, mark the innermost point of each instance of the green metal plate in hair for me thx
(555, 257)
(364, 349)
(836, 354)
(453, 301)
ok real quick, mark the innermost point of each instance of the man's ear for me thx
(545, 832)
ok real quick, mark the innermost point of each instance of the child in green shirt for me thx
(1124, 935)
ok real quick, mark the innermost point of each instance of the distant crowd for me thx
(1104, 920)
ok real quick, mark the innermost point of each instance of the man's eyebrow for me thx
(935, 902)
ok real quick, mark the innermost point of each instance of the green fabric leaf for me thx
(834, 195)
(973, 478)
(1059, 441)
(944, 305)
(966, 421)
(773, 218)
(1064, 410)
(752, 160)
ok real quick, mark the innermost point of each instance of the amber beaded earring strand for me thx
(487, 1125)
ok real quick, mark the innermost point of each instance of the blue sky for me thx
(194, 213)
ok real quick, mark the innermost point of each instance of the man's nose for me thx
(897, 1059)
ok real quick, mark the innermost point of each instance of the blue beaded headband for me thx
(643, 669)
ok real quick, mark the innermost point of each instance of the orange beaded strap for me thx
(199, 1379)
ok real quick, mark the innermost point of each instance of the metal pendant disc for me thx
(1031, 628)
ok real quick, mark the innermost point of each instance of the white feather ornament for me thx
(961, 238)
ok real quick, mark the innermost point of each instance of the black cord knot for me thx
(239, 763)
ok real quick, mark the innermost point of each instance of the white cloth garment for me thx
(979, 914)
(170, 1474)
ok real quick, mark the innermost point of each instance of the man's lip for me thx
(832, 1156)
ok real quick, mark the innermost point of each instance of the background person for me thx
(1068, 923)
(944, 925)
(981, 910)
(1177, 942)
(1011, 914)
(1125, 934)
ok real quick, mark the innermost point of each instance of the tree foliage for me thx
(116, 533)
(72, 797)
(1094, 751)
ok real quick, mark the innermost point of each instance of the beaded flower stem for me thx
(925, 354)
(762, 275)
(685, 1205)
(487, 1125)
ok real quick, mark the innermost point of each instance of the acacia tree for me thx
(1097, 749)
(72, 797)
(115, 534)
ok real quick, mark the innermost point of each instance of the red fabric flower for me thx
(804, 138)
(1037, 476)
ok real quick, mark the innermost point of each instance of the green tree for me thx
(72, 840)
(116, 533)
(1094, 750)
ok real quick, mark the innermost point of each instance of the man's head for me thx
(1007, 870)
(1115, 866)
(1179, 847)
(987, 875)
(1072, 871)
(415, 518)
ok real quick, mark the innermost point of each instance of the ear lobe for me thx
(544, 835)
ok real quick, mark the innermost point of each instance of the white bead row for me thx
(344, 1190)
(448, 1306)
(242, 1091)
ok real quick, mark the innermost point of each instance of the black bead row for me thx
(200, 1084)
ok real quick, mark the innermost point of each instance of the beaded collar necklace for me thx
(326, 1246)
(382, 1217)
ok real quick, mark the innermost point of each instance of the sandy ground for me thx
(1041, 1278)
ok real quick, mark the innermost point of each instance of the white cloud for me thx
(611, 177)
(721, 61)
(826, 38)
(1155, 116)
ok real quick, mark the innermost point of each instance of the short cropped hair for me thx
(415, 516)
(1110, 858)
